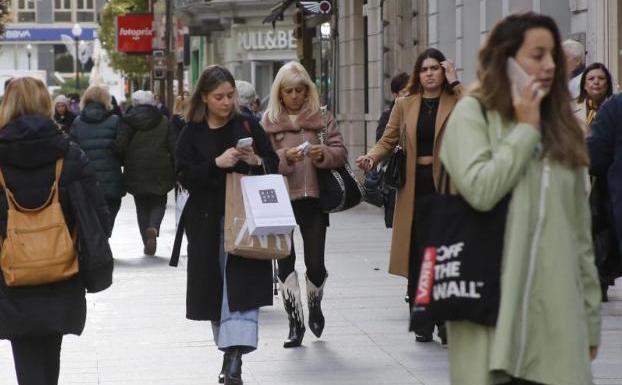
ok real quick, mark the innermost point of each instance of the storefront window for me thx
(26, 11)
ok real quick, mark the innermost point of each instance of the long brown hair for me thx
(211, 78)
(414, 84)
(562, 137)
(25, 96)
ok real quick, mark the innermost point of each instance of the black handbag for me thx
(339, 189)
(395, 175)
(374, 187)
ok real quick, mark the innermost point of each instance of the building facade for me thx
(380, 38)
(34, 37)
(232, 33)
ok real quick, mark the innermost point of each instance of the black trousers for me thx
(150, 211)
(114, 204)
(424, 186)
(37, 359)
(313, 223)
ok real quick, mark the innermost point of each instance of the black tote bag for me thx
(461, 251)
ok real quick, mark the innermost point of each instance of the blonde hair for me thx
(181, 105)
(292, 73)
(96, 94)
(25, 96)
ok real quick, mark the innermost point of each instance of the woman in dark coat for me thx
(147, 146)
(35, 318)
(62, 113)
(96, 130)
(225, 289)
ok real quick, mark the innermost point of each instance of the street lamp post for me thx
(76, 31)
(29, 54)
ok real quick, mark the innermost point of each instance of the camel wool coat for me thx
(404, 116)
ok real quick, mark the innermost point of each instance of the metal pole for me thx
(77, 68)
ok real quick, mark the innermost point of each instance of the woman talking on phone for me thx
(419, 118)
(527, 144)
(222, 288)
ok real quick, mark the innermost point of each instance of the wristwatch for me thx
(454, 83)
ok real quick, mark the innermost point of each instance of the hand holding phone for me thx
(526, 94)
(304, 148)
(517, 74)
(244, 142)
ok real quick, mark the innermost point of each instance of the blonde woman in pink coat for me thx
(293, 118)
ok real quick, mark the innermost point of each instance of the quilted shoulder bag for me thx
(339, 188)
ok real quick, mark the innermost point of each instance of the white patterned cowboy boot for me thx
(290, 291)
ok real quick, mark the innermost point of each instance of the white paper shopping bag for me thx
(267, 205)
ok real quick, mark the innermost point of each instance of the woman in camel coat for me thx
(433, 92)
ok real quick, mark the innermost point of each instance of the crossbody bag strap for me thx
(324, 133)
(445, 179)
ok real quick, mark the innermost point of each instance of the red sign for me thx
(135, 33)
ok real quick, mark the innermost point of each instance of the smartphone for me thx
(304, 147)
(517, 74)
(244, 142)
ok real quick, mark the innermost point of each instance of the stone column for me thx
(351, 94)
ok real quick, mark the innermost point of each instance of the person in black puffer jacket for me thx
(96, 131)
(35, 318)
(147, 145)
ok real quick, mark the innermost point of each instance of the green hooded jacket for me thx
(549, 314)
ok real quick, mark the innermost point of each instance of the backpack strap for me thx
(53, 197)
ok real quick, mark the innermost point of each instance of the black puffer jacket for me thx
(96, 130)
(147, 144)
(29, 148)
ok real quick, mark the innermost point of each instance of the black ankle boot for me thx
(225, 365)
(314, 299)
(233, 363)
(290, 291)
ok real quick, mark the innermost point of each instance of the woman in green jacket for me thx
(527, 143)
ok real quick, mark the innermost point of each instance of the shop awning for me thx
(276, 13)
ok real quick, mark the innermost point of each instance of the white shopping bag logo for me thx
(268, 196)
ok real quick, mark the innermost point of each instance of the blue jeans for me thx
(236, 328)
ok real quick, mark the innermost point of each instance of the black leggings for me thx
(313, 225)
(424, 186)
(37, 359)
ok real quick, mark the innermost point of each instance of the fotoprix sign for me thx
(135, 33)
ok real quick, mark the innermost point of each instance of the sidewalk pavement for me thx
(136, 332)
